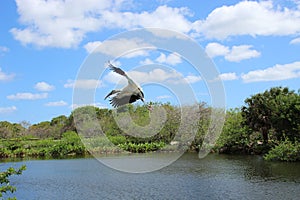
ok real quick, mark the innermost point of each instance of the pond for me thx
(214, 177)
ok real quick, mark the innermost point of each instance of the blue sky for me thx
(255, 45)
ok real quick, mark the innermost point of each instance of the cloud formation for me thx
(249, 18)
(295, 41)
(44, 21)
(3, 50)
(27, 96)
(44, 87)
(156, 75)
(120, 47)
(163, 97)
(171, 59)
(275, 73)
(234, 54)
(228, 76)
(5, 110)
(83, 84)
(56, 103)
(5, 76)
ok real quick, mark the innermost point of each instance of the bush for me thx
(69, 144)
(285, 151)
(142, 147)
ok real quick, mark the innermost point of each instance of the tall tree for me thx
(58, 124)
(277, 109)
(10, 130)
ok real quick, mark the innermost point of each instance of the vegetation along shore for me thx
(268, 125)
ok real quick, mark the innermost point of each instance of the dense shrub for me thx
(142, 147)
(234, 137)
(69, 144)
(285, 151)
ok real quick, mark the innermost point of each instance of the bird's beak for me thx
(143, 100)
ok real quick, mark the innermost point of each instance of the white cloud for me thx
(5, 77)
(91, 46)
(275, 73)
(228, 76)
(83, 84)
(44, 87)
(147, 61)
(295, 41)
(166, 33)
(4, 110)
(163, 17)
(241, 52)
(163, 97)
(4, 49)
(156, 75)
(235, 54)
(249, 18)
(192, 79)
(27, 96)
(126, 47)
(44, 21)
(171, 59)
(215, 49)
(56, 103)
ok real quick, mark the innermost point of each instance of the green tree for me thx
(4, 180)
(58, 124)
(285, 116)
(277, 109)
(10, 130)
(234, 136)
(85, 121)
(41, 130)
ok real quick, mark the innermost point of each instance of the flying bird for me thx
(129, 94)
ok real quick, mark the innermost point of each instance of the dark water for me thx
(214, 177)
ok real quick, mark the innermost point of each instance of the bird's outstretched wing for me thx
(112, 92)
(122, 99)
(116, 69)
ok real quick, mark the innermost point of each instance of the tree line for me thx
(268, 124)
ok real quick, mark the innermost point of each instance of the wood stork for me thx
(129, 94)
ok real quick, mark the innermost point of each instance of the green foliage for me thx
(142, 147)
(41, 130)
(4, 180)
(9, 130)
(70, 144)
(285, 151)
(202, 126)
(270, 117)
(234, 137)
(58, 125)
(276, 110)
